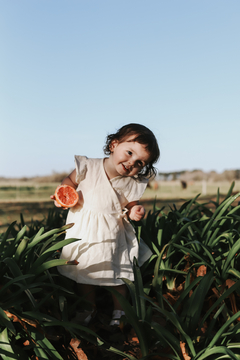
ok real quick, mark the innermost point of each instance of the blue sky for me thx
(72, 72)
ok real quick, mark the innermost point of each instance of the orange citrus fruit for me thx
(66, 196)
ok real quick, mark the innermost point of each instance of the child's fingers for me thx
(140, 210)
(56, 203)
(59, 206)
(137, 212)
(137, 218)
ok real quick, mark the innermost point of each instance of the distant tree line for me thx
(198, 175)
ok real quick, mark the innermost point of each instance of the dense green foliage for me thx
(183, 304)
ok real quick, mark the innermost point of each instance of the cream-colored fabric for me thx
(107, 243)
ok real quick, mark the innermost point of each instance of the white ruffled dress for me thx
(107, 242)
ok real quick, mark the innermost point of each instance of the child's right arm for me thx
(70, 180)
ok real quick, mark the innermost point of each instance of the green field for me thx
(26, 191)
(173, 189)
(33, 200)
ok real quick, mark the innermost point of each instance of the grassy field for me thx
(33, 200)
(173, 189)
(16, 192)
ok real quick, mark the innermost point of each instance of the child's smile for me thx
(127, 159)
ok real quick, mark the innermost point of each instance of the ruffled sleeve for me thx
(81, 167)
(131, 188)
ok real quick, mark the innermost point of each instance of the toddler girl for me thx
(109, 191)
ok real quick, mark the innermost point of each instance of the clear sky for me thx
(72, 72)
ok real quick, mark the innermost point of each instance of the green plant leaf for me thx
(39, 236)
(21, 247)
(219, 301)
(133, 320)
(139, 290)
(6, 322)
(45, 255)
(230, 190)
(17, 280)
(176, 321)
(185, 293)
(193, 306)
(234, 272)
(218, 350)
(49, 350)
(52, 263)
(222, 329)
(167, 336)
(211, 324)
(5, 238)
(229, 258)
(6, 349)
(212, 223)
(114, 350)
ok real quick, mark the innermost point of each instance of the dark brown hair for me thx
(143, 136)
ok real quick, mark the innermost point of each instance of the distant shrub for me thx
(55, 177)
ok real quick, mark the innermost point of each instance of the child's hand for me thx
(56, 203)
(136, 213)
(77, 206)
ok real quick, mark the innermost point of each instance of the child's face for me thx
(128, 157)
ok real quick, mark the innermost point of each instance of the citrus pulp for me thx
(66, 196)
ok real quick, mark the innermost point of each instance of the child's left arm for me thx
(135, 211)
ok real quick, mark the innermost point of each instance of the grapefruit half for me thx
(66, 196)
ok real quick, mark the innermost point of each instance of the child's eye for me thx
(129, 152)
